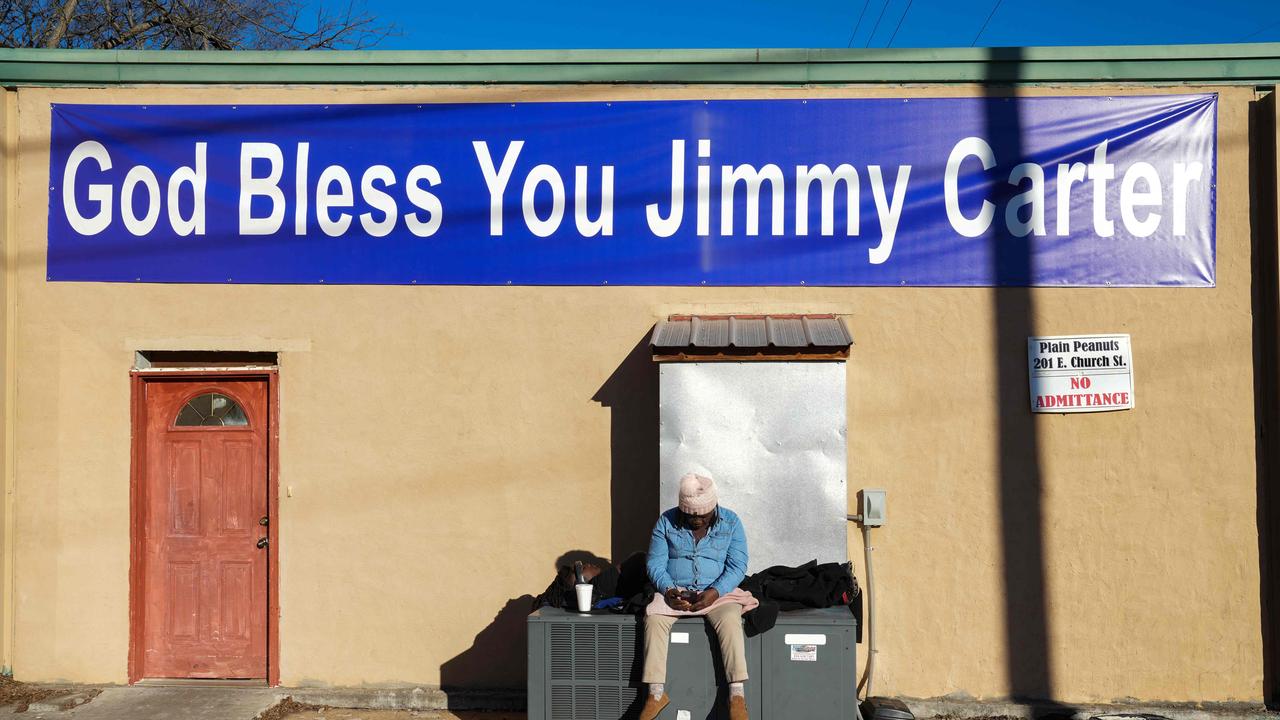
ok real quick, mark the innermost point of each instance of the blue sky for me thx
(526, 24)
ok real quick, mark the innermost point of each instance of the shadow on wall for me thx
(1266, 302)
(1030, 664)
(631, 394)
(497, 660)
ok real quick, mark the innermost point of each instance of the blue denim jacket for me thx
(719, 560)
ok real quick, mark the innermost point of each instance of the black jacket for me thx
(808, 586)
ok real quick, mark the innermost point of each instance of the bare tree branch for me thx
(131, 33)
(188, 25)
(60, 26)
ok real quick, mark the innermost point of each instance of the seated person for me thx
(697, 556)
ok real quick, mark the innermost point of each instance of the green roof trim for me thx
(1244, 64)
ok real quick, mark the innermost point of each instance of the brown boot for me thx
(737, 707)
(654, 705)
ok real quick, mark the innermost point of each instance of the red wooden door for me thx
(204, 609)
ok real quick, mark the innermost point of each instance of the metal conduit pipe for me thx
(871, 612)
(865, 685)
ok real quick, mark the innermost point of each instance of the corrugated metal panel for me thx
(672, 334)
(750, 332)
(710, 332)
(829, 332)
(787, 332)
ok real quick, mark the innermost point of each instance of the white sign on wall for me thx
(1080, 373)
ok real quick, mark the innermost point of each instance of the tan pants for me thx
(727, 622)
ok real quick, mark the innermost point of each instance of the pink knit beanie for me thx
(697, 494)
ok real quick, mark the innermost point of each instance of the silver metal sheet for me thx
(773, 435)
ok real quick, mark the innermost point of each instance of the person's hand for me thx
(705, 599)
(675, 601)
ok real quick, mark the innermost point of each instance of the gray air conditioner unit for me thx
(587, 667)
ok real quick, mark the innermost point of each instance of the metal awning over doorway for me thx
(751, 337)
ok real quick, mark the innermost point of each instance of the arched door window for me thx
(211, 409)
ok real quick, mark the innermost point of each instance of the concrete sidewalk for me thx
(218, 703)
(179, 702)
(167, 703)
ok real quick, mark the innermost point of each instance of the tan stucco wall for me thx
(433, 435)
(8, 296)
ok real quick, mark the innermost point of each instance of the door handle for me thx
(262, 542)
(263, 521)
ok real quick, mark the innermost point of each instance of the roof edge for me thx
(1242, 63)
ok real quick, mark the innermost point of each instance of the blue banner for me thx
(1053, 191)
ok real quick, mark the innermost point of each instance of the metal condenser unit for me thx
(587, 667)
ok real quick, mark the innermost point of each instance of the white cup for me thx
(584, 596)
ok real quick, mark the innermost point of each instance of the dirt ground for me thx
(19, 695)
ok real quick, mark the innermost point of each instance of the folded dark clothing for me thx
(762, 619)
(811, 585)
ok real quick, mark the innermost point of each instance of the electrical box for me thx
(872, 506)
(588, 667)
(695, 673)
(809, 666)
(583, 666)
